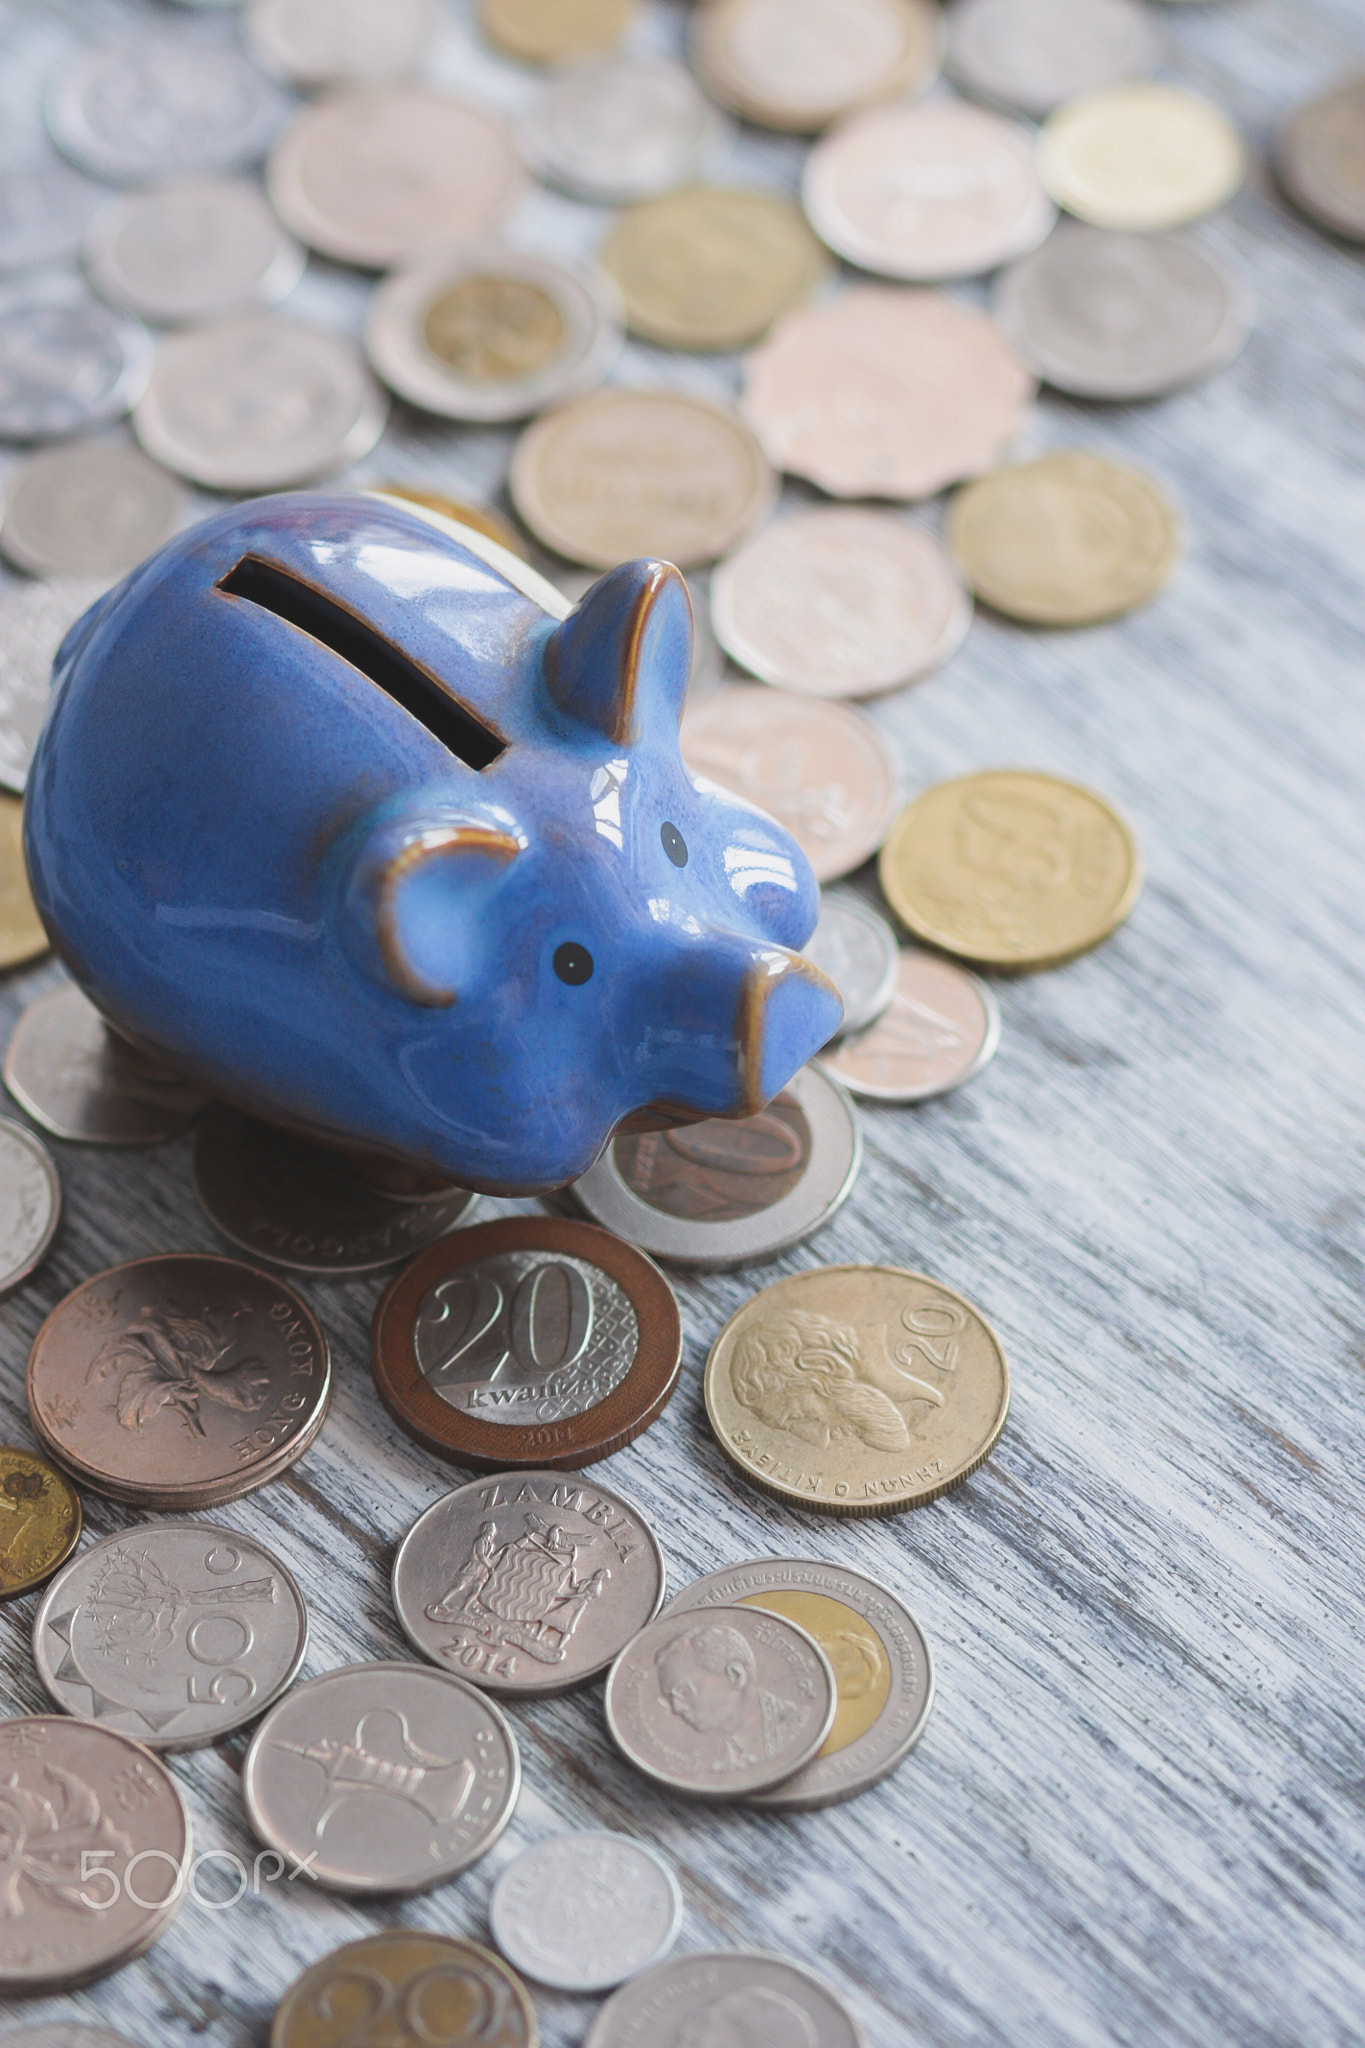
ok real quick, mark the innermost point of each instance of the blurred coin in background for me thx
(339, 42)
(192, 249)
(1320, 158)
(554, 31)
(30, 1210)
(857, 949)
(941, 1027)
(21, 932)
(66, 361)
(622, 129)
(800, 64)
(1143, 156)
(35, 618)
(87, 509)
(1032, 55)
(44, 207)
(85, 1083)
(711, 267)
(160, 106)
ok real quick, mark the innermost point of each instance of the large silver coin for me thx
(1119, 316)
(339, 42)
(1031, 55)
(87, 508)
(384, 1777)
(621, 129)
(160, 105)
(66, 361)
(44, 207)
(35, 618)
(82, 1082)
(736, 1998)
(883, 1671)
(527, 1584)
(725, 1192)
(720, 1706)
(1320, 161)
(196, 249)
(172, 1632)
(859, 952)
(583, 1912)
(97, 1844)
(30, 1203)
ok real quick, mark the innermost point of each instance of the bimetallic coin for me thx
(621, 129)
(799, 64)
(723, 1705)
(87, 509)
(66, 362)
(1142, 156)
(583, 1912)
(554, 31)
(30, 1207)
(940, 1028)
(175, 1633)
(428, 1988)
(178, 1382)
(527, 1584)
(84, 1083)
(727, 1192)
(1320, 158)
(858, 951)
(1033, 55)
(35, 618)
(857, 1390)
(22, 936)
(44, 207)
(481, 517)
(40, 1517)
(534, 1341)
(711, 267)
(393, 1777)
(339, 42)
(194, 249)
(158, 106)
(98, 1841)
(883, 1672)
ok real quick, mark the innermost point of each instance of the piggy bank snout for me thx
(790, 1009)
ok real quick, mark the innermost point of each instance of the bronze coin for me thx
(534, 1341)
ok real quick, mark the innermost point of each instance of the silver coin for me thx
(66, 362)
(527, 1584)
(734, 1998)
(30, 1203)
(82, 1082)
(882, 1667)
(1119, 316)
(621, 129)
(44, 208)
(87, 508)
(388, 1777)
(714, 1195)
(173, 1632)
(339, 42)
(97, 1841)
(259, 403)
(1319, 160)
(35, 618)
(859, 952)
(163, 105)
(489, 333)
(583, 1912)
(63, 2034)
(195, 249)
(722, 1706)
(1031, 55)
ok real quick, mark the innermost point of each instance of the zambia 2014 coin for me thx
(446, 1991)
(30, 1205)
(727, 1995)
(40, 1520)
(84, 1083)
(582, 1912)
(941, 1026)
(857, 950)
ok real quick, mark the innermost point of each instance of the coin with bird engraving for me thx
(582, 1912)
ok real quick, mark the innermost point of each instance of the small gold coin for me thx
(555, 31)
(711, 268)
(1011, 868)
(862, 1669)
(478, 516)
(857, 1390)
(493, 328)
(21, 933)
(1141, 156)
(1066, 540)
(40, 1520)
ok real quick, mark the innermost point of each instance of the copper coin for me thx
(534, 1341)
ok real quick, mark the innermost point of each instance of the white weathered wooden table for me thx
(1136, 1815)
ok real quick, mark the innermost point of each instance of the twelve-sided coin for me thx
(582, 1912)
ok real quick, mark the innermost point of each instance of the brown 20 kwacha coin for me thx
(40, 1520)
(534, 1341)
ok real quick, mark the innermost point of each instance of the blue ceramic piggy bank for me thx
(342, 810)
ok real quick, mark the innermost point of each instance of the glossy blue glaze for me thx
(260, 865)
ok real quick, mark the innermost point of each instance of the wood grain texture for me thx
(1136, 1815)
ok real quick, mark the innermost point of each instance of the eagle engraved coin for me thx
(857, 950)
(175, 1633)
(82, 1082)
(193, 249)
(67, 363)
(87, 509)
(438, 1993)
(582, 1912)
(393, 1777)
(97, 1841)
(720, 1705)
(799, 64)
(533, 1341)
(729, 1997)
(1143, 155)
(40, 1520)
(34, 620)
(22, 936)
(30, 1205)
(1320, 158)
(1031, 55)
(158, 106)
(711, 267)
(857, 1390)
(621, 129)
(941, 1026)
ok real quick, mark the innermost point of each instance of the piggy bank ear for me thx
(620, 662)
(421, 899)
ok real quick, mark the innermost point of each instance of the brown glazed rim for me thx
(499, 1446)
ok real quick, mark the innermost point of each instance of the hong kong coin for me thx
(44, 207)
(160, 106)
(799, 64)
(388, 1777)
(40, 1519)
(172, 1632)
(481, 517)
(1067, 540)
(487, 333)
(21, 931)
(627, 473)
(66, 362)
(857, 1390)
(527, 1584)
(1119, 316)
(621, 129)
(376, 177)
(941, 1026)
(720, 1706)
(259, 403)
(1143, 156)
(534, 1341)
(883, 1671)
(430, 1988)
(727, 1192)
(195, 249)
(35, 618)
(583, 1912)
(1320, 161)
(82, 1082)
(837, 601)
(711, 267)
(178, 1382)
(938, 191)
(726, 1996)
(1011, 868)
(87, 509)
(886, 392)
(30, 1206)
(820, 769)
(858, 951)
(98, 1839)
(1032, 55)
(554, 31)
(339, 42)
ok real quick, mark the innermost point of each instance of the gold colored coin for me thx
(1141, 156)
(862, 1669)
(21, 933)
(857, 1390)
(478, 516)
(1066, 540)
(1011, 868)
(555, 31)
(712, 268)
(491, 329)
(40, 1520)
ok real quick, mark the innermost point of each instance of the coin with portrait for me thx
(40, 1520)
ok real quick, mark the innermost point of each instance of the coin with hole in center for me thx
(40, 1520)
(941, 1026)
(582, 1912)
(84, 1083)
(436, 1992)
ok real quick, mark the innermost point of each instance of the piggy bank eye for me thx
(573, 963)
(675, 846)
